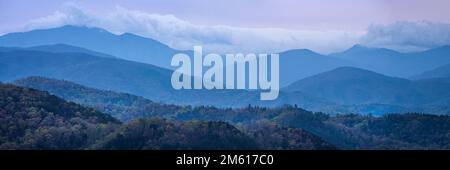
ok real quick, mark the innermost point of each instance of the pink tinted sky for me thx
(248, 25)
(291, 14)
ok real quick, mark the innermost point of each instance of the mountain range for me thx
(104, 73)
(393, 63)
(358, 80)
(353, 90)
(349, 85)
(294, 64)
(124, 76)
(126, 46)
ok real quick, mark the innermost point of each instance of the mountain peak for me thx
(347, 71)
(358, 49)
(350, 85)
(127, 34)
(126, 46)
(344, 74)
(55, 46)
(300, 52)
(81, 27)
(350, 69)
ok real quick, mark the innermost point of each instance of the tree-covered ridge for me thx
(427, 131)
(123, 106)
(156, 133)
(30, 119)
(164, 134)
(342, 131)
(272, 136)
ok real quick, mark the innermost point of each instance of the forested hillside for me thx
(32, 119)
(164, 134)
(412, 131)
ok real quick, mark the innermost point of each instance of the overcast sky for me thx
(248, 25)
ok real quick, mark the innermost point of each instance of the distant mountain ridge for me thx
(127, 46)
(345, 81)
(117, 104)
(96, 58)
(101, 72)
(135, 78)
(125, 107)
(63, 48)
(440, 72)
(295, 64)
(302, 63)
(354, 86)
(393, 63)
(395, 94)
(146, 50)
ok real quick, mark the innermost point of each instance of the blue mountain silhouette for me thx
(126, 46)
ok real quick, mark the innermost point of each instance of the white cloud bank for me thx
(182, 34)
(408, 36)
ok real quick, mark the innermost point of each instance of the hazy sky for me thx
(340, 20)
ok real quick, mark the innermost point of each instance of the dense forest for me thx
(32, 119)
(287, 127)
(122, 106)
(164, 134)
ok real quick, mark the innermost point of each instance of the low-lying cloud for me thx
(408, 36)
(182, 34)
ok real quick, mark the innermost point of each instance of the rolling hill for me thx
(440, 72)
(123, 106)
(354, 86)
(127, 107)
(114, 103)
(63, 48)
(302, 63)
(292, 125)
(100, 72)
(392, 63)
(142, 117)
(32, 119)
(163, 134)
(349, 85)
(155, 133)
